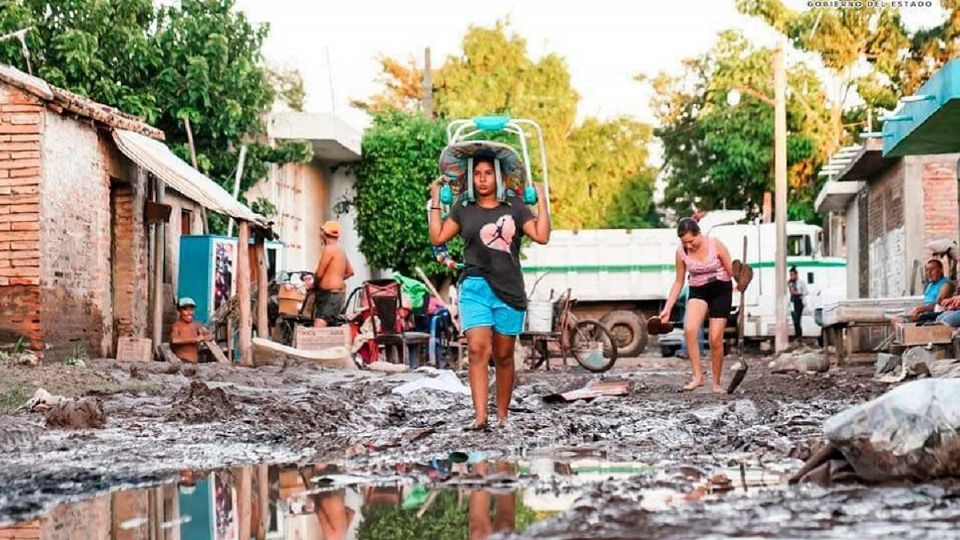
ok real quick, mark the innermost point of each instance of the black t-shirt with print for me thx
(492, 246)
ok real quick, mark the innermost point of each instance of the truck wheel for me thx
(629, 330)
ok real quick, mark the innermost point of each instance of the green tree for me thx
(494, 74)
(400, 151)
(847, 39)
(196, 59)
(719, 156)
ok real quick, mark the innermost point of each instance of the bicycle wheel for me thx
(593, 346)
(537, 354)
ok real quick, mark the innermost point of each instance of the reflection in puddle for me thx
(462, 496)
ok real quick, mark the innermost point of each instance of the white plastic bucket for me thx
(539, 316)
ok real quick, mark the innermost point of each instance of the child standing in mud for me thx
(493, 302)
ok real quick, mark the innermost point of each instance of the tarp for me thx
(412, 289)
(157, 158)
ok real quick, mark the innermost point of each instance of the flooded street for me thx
(299, 452)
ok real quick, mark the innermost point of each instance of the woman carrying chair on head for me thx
(492, 299)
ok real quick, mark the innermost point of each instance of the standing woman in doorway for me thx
(710, 297)
(493, 302)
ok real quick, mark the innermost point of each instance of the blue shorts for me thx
(480, 306)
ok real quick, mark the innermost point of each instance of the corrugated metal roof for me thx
(157, 158)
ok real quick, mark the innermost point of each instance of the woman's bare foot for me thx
(477, 425)
(693, 385)
(717, 389)
(503, 423)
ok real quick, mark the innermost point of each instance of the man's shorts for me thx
(480, 306)
(328, 305)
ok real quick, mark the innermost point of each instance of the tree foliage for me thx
(446, 519)
(400, 151)
(196, 59)
(717, 155)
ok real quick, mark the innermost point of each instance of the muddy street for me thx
(653, 462)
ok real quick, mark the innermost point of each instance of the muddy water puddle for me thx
(461, 495)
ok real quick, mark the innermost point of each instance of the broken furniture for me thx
(841, 318)
(382, 301)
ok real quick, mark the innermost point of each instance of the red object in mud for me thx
(656, 327)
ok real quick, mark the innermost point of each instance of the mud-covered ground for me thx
(208, 416)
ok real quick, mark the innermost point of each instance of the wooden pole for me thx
(263, 322)
(244, 501)
(263, 501)
(193, 159)
(243, 295)
(236, 182)
(159, 250)
(427, 85)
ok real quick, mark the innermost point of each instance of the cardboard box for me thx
(318, 339)
(910, 334)
(131, 349)
(290, 299)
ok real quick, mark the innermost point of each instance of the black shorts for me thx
(717, 294)
(328, 305)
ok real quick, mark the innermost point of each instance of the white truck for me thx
(621, 276)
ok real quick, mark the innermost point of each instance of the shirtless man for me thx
(332, 272)
(187, 334)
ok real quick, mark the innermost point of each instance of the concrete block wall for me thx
(886, 233)
(75, 277)
(21, 128)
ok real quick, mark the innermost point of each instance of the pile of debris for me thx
(802, 359)
(911, 432)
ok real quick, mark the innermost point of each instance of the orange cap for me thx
(331, 228)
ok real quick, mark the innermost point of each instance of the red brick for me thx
(24, 246)
(24, 118)
(19, 236)
(20, 108)
(19, 181)
(25, 281)
(5, 264)
(14, 255)
(19, 129)
(29, 198)
(25, 190)
(21, 173)
(20, 146)
(23, 137)
(19, 164)
(25, 226)
(25, 208)
(23, 272)
(24, 262)
(19, 217)
(26, 154)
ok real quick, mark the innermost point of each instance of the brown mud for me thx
(159, 424)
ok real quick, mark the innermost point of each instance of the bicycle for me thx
(588, 340)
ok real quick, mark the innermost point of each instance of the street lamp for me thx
(733, 97)
(779, 104)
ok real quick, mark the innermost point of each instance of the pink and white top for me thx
(707, 270)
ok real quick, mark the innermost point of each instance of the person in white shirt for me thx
(798, 292)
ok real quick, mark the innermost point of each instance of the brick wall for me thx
(129, 256)
(940, 197)
(89, 519)
(21, 126)
(75, 284)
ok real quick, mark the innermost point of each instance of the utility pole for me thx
(427, 85)
(780, 205)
